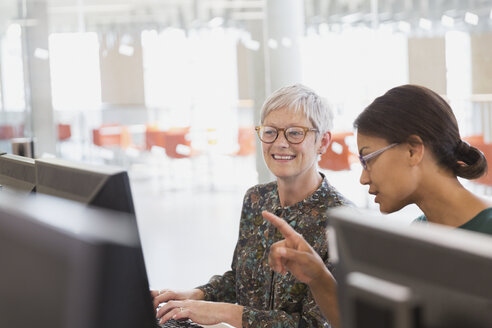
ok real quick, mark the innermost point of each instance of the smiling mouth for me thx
(283, 157)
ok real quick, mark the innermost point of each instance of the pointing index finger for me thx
(285, 229)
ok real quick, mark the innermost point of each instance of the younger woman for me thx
(411, 153)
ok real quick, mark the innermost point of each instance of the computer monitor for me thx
(391, 274)
(103, 186)
(64, 264)
(17, 173)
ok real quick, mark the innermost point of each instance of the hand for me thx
(165, 295)
(297, 256)
(293, 253)
(201, 312)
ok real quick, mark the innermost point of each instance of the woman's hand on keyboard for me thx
(166, 295)
(202, 312)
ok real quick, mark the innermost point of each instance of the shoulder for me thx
(258, 198)
(313, 216)
(331, 196)
(486, 214)
(259, 191)
(482, 222)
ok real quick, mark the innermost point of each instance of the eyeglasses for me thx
(293, 134)
(364, 159)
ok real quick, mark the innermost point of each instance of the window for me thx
(75, 71)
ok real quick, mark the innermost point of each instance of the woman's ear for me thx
(325, 142)
(416, 149)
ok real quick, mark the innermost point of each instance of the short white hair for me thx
(297, 98)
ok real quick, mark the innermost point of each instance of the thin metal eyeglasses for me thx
(293, 134)
(364, 159)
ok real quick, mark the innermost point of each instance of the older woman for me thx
(411, 153)
(294, 130)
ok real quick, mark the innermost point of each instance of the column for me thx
(427, 63)
(122, 80)
(39, 119)
(282, 32)
(481, 48)
(481, 76)
(258, 91)
(284, 29)
(2, 91)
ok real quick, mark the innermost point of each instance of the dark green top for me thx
(482, 222)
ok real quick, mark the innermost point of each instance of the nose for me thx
(281, 141)
(364, 177)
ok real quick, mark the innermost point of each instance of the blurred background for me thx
(171, 91)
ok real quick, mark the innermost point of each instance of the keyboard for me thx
(180, 324)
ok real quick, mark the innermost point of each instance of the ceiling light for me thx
(425, 24)
(126, 50)
(471, 18)
(41, 54)
(286, 42)
(126, 39)
(447, 21)
(250, 43)
(273, 44)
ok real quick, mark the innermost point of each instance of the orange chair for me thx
(154, 137)
(111, 135)
(6, 132)
(338, 156)
(177, 143)
(487, 151)
(474, 140)
(247, 141)
(486, 148)
(64, 132)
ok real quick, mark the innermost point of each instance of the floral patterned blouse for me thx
(270, 299)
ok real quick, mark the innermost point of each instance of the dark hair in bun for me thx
(415, 110)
